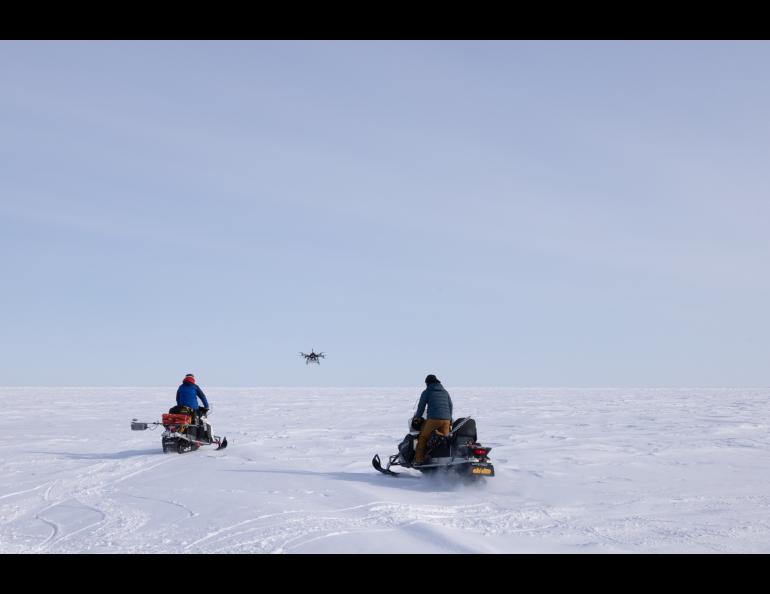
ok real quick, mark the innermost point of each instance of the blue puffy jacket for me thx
(438, 402)
(188, 394)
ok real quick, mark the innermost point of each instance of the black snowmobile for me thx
(458, 452)
(185, 430)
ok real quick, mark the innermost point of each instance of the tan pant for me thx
(422, 441)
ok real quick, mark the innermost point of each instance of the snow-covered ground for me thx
(577, 471)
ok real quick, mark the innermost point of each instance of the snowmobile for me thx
(457, 452)
(184, 430)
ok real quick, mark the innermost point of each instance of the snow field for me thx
(578, 470)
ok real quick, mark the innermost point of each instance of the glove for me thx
(203, 411)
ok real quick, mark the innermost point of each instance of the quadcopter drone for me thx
(312, 357)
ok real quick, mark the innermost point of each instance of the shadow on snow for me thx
(425, 483)
(107, 456)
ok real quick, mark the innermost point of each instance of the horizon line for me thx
(534, 387)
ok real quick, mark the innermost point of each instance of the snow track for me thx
(577, 471)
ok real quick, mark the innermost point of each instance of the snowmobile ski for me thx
(378, 466)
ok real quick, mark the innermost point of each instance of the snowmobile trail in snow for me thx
(575, 471)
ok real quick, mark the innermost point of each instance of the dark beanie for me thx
(432, 379)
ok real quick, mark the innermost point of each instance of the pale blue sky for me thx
(497, 213)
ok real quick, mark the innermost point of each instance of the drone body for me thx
(313, 357)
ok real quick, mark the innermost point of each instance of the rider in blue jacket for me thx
(189, 392)
(187, 395)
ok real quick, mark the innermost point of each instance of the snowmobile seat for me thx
(437, 445)
(181, 410)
